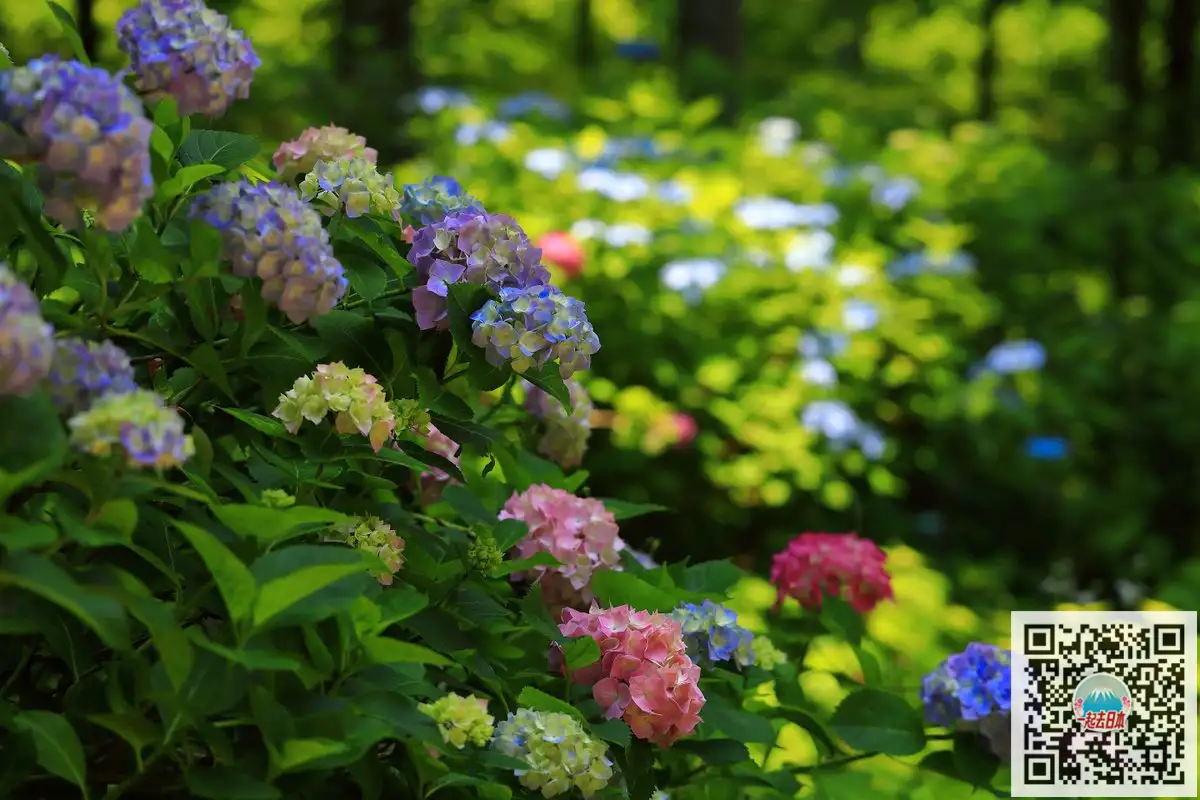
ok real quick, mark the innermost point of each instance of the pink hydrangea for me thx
(839, 564)
(432, 482)
(578, 531)
(644, 675)
(320, 144)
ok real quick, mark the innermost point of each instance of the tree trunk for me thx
(1179, 33)
(708, 51)
(85, 20)
(376, 65)
(1125, 22)
(585, 35)
(988, 61)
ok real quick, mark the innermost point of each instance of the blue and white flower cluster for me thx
(972, 690)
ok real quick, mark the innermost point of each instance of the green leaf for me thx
(540, 559)
(59, 751)
(712, 577)
(615, 588)
(539, 700)
(204, 258)
(368, 280)
(186, 178)
(839, 617)
(715, 752)
(386, 650)
(174, 649)
(624, 510)
(234, 580)
(251, 657)
(277, 596)
(612, 730)
(270, 525)
(296, 754)
(5, 61)
(206, 361)
(254, 318)
(227, 783)
(739, 725)
(135, 729)
(467, 505)
(549, 381)
(42, 577)
(508, 532)
(463, 300)
(34, 442)
(268, 425)
(397, 604)
(151, 260)
(70, 31)
(18, 534)
(876, 721)
(226, 150)
(581, 652)
(811, 725)
(974, 762)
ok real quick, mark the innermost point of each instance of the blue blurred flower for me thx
(818, 344)
(818, 372)
(633, 147)
(674, 192)
(471, 133)
(691, 277)
(26, 340)
(622, 187)
(1021, 355)
(434, 99)
(711, 632)
(548, 162)
(911, 264)
(833, 419)
(584, 229)
(638, 50)
(859, 315)
(82, 372)
(810, 250)
(894, 193)
(776, 135)
(775, 213)
(871, 442)
(970, 686)
(624, 234)
(527, 103)
(1046, 448)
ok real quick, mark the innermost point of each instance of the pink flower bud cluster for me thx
(839, 564)
(578, 531)
(644, 675)
(329, 143)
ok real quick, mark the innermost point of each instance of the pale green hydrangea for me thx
(560, 754)
(373, 535)
(276, 498)
(461, 720)
(766, 654)
(352, 185)
(484, 554)
(356, 398)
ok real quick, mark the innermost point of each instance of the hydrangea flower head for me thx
(269, 232)
(461, 720)
(186, 50)
(560, 754)
(578, 531)
(470, 247)
(766, 654)
(435, 198)
(535, 326)
(26, 340)
(644, 675)
(352, 185)
(484, 554)
(148, 432)
(276, 498)
(375, 536)
(83, 371)
(89, 134)
(329, 143)
(565, 435)
(970, 685)
(711, 631)
(817, 564)
(355, 397)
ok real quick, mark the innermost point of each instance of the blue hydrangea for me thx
(969, 686)
(692, 277)
(894, 193)
(1047, 448)
(88, 134)
(435, 198)
(26, 340)
(621, 187)
(711, 631)
(470, 134)
(534, 326)
(1021, 355)
(920, 263)
(527, 103)
(775, 213)
(269, 232)
(82, 372)
(186, 50)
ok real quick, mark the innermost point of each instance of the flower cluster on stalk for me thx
(461, 720)
(972, 690)
(354, 397)
(559, 753)
(710, 631)
(529, 328)
(328, 143)
(838, 564)
(352, 185)
(138, 424)
(373, 535)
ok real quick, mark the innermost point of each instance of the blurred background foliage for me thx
(825, 302)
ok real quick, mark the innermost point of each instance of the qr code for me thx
(1104, 704)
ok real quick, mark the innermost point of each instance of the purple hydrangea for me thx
(26, 340)
(184, 49)
(434, 198)
(533, 326)
(969, 686)
(82, 372)
(471, 247)
(137, 425)
(88, 134)
(269, 232)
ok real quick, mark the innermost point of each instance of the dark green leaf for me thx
(34, 442)
(612, 730)
(186, 178)
(150, 259)
(277, 596)
(974, 760)
(541, 559)
(70, 31)
(715, 752)
(613, 587)
(59, 750)
(368, 280)
(712, 577)
(840, 617)
(268, 425)
(549, 381)
(222, 148)
(206, 361)
(872, 720)
(135, 729)
(44, 578)
(385, 650)
(812, 726)
(227, 783)
(624, 510)
(581, 652)
(739, 725)
(270, 525)
(233, 579)
(467, 505)
(539, 700)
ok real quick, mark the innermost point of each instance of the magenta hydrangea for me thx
(186, 50)
(82, 372)
(26, 340)
(269, 232)
(88, 134)
(470, 247)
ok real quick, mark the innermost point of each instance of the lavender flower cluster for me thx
(186, 50)
(88, 134)
(269, 232)
(26, 340)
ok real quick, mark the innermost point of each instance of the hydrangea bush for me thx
(279, 512)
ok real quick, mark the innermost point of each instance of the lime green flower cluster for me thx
(276, 498)
(148, 432)
(558, 751)
(484, 554)
(356, 397)
(411, 416)
(354, 185)
(461, 720)
(373, 535)
(766, 654)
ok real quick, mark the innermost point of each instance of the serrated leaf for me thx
(186, 178)
(877, 721)
(581, 652)
(226, 150)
